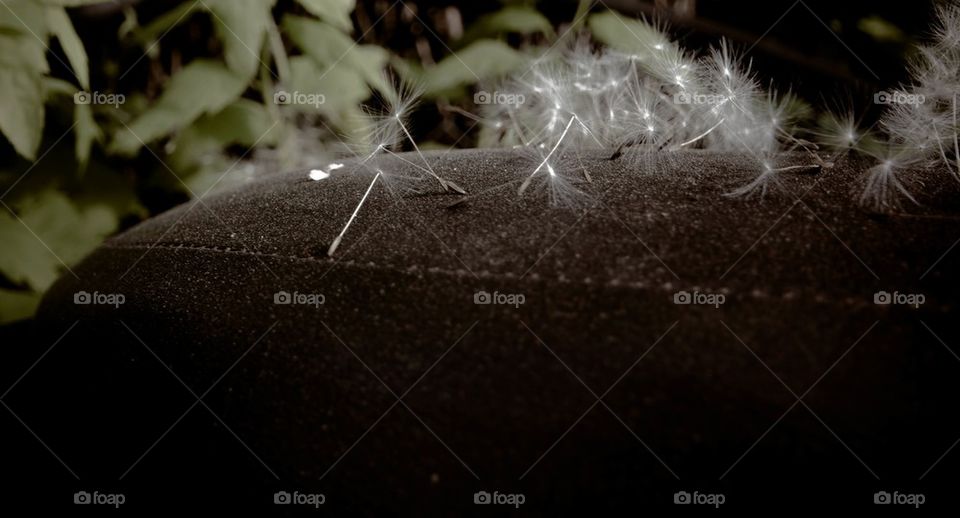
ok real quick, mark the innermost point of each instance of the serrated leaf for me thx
(241, 25)
(50, 228)
(203, 86)
(334, 12)
(479, 61)
(514, 18)
(21, 110)
(61, 27)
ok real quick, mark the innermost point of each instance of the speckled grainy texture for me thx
(695, 385)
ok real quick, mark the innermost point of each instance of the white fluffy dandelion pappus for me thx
(921, 120)
(656, 100)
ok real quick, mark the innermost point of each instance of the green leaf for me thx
(21, 110)
(17, 305)
(514, 18)
(241, 26)
(880, 29)
(343, 90)
(335, 12)
(480, 61)
(202, 87)
(86, 133)
(154, 30)
(77, 3)
(628, 34)
(334, 51)
(62, 28)
(50, 228)
(245, 122)
(24, 17)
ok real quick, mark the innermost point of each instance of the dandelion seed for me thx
(336, 242)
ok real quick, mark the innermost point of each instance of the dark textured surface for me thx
(599, 280)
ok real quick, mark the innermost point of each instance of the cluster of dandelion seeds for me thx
(654, 100)
(921, 120)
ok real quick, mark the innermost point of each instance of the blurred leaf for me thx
(53, 87)
(335, 12)
(23, 33)
(514, 18)
(480, 61)
(241, 26)
(17, 305)
(62, 28)
(21, 110)
(78, 3)
(343, 91)
(55, 222)
(87, 132)
(244, 123)
(628, 34)
(24, 17)
(203, 86)
(329, 47)
(163, 23)
(880, 29)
